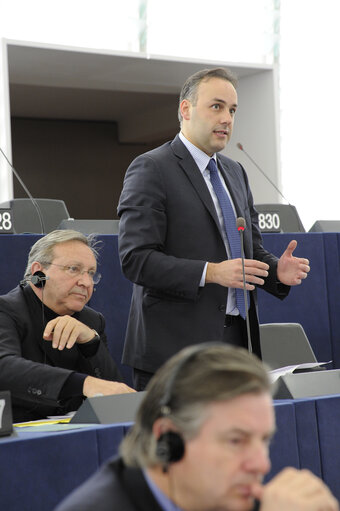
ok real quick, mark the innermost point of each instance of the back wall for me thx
(80, 162)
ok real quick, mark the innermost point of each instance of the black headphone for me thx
(170, 448)
(170, 445)
(38, 279)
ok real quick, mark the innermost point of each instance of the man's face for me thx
(209, 124)
(228, 456)
(63, 293)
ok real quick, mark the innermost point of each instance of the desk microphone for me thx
(34, 202)
(241, 225)
(240, 146)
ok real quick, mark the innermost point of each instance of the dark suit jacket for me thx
(115, 487)
(168, 229)
(31, 369)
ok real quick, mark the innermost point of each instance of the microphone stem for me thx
(250, 348)
(265, 175)
(34, 202)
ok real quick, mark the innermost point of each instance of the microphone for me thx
(241, 225)
(34, 202)
(240, 146)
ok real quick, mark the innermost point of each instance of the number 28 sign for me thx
(6, 222)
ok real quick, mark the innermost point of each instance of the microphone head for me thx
(240, 223)
(240, 146)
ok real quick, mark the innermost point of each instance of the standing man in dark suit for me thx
(177, 240)
(53, 348)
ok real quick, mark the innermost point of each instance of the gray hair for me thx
(188, 383)
(190, 87)
(42, 251)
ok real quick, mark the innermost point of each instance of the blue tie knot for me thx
(212, 167)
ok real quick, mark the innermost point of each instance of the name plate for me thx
(270, 221)
(112, 409)
(6, 421)
(6, 221)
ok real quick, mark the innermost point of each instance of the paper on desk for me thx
(52, 423)
(52, 427)
(281, 371)
(60, 419)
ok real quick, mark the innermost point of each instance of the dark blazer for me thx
(31, 369)
(114, 487)
(168, 229)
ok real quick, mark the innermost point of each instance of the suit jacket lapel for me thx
(190, 168)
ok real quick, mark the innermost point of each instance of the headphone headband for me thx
(167, 396)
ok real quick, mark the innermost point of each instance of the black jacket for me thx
(31, 369)
(115, 487)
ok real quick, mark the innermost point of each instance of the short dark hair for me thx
(216, 372)
(189, 89)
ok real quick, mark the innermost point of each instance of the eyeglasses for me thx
(75, 270)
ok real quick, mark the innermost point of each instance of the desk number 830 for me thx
(5, 221)
(269, 221)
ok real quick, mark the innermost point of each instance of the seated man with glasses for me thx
(53, 348)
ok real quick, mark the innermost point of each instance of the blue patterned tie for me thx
(229, 226)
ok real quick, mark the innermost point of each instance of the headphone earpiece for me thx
(38, 279)
(170, 448)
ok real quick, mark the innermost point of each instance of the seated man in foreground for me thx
(53, 350)
(201, 443)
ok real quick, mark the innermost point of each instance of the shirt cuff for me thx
(202, 282)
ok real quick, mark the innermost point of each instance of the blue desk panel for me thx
(308, 435)
(39, 469)
(332, 262)
(284, 449)
(328, 417)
